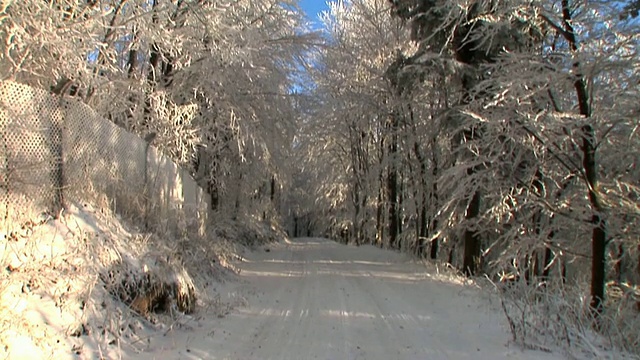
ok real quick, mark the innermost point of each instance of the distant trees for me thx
(350, 139)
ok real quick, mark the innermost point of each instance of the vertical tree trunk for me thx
(392, 189)
(471, 257)
(470, 53)
(358, 173)
(379, 225)
(638, 271)
(527, 269)
(272, 189)
(423, 228)
(435, 243)
(548, 256)
(619, 268)
(154, 59)
(434, 197)
(598, 237)
(380, 199)
(132, 61)
(392, 186)
(589, 164)
(451, 253)
(423, 225)
(362, 225)
(356, 212)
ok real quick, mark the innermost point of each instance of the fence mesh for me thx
(57, 149)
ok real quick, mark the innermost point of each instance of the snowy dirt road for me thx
(316, 299)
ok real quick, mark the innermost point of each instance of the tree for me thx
(198, 77)
(352, 137)
(527, 129)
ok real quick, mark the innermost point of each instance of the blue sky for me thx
(313, 7)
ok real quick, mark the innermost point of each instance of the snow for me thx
(306, 298)
(53, 304)
(315, 299)
(46, 281)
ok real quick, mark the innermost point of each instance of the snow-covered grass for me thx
(554, 317)
(82, 286)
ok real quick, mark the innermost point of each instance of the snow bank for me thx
(87, 286)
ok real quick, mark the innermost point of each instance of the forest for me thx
(499, 137)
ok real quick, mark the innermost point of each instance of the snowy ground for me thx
(316, 299)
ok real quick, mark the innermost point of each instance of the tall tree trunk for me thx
(152, 76)
(451, 254)
(381, 196)
(357, 209)
(272, 191)
(401, 197)
(132, 60)
(589, 164)
(619, 268)
(470, 53)
(392, 190)
(423, 225)
(423, 228)
(357, 169)
(379, 225)
(548, 256)
(392, 185)
(434, 197)
(638, 271)
(471, 256)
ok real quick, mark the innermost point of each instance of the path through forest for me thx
(316, 299)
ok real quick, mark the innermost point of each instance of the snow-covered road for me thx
(316, 299)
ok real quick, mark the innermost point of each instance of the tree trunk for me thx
(132, 61)
(450, 257)
(589, 164)
(433, 255)
(392, 188)
(471, 257)
(392, 191)
(470, 53)
(272, 192)
(548, 258)
(423, 225)
(379, 226)
(638, 270)
(619, 268)
(434, 197)
(381, 193)
(423, 228)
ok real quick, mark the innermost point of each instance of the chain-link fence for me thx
(55, 150)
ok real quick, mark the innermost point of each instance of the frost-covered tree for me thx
(485, 126)
(350, 138)
(211, 79)
(535, 123)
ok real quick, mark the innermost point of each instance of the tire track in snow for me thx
(321, 300)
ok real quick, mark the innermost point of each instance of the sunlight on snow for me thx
(285, 313)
